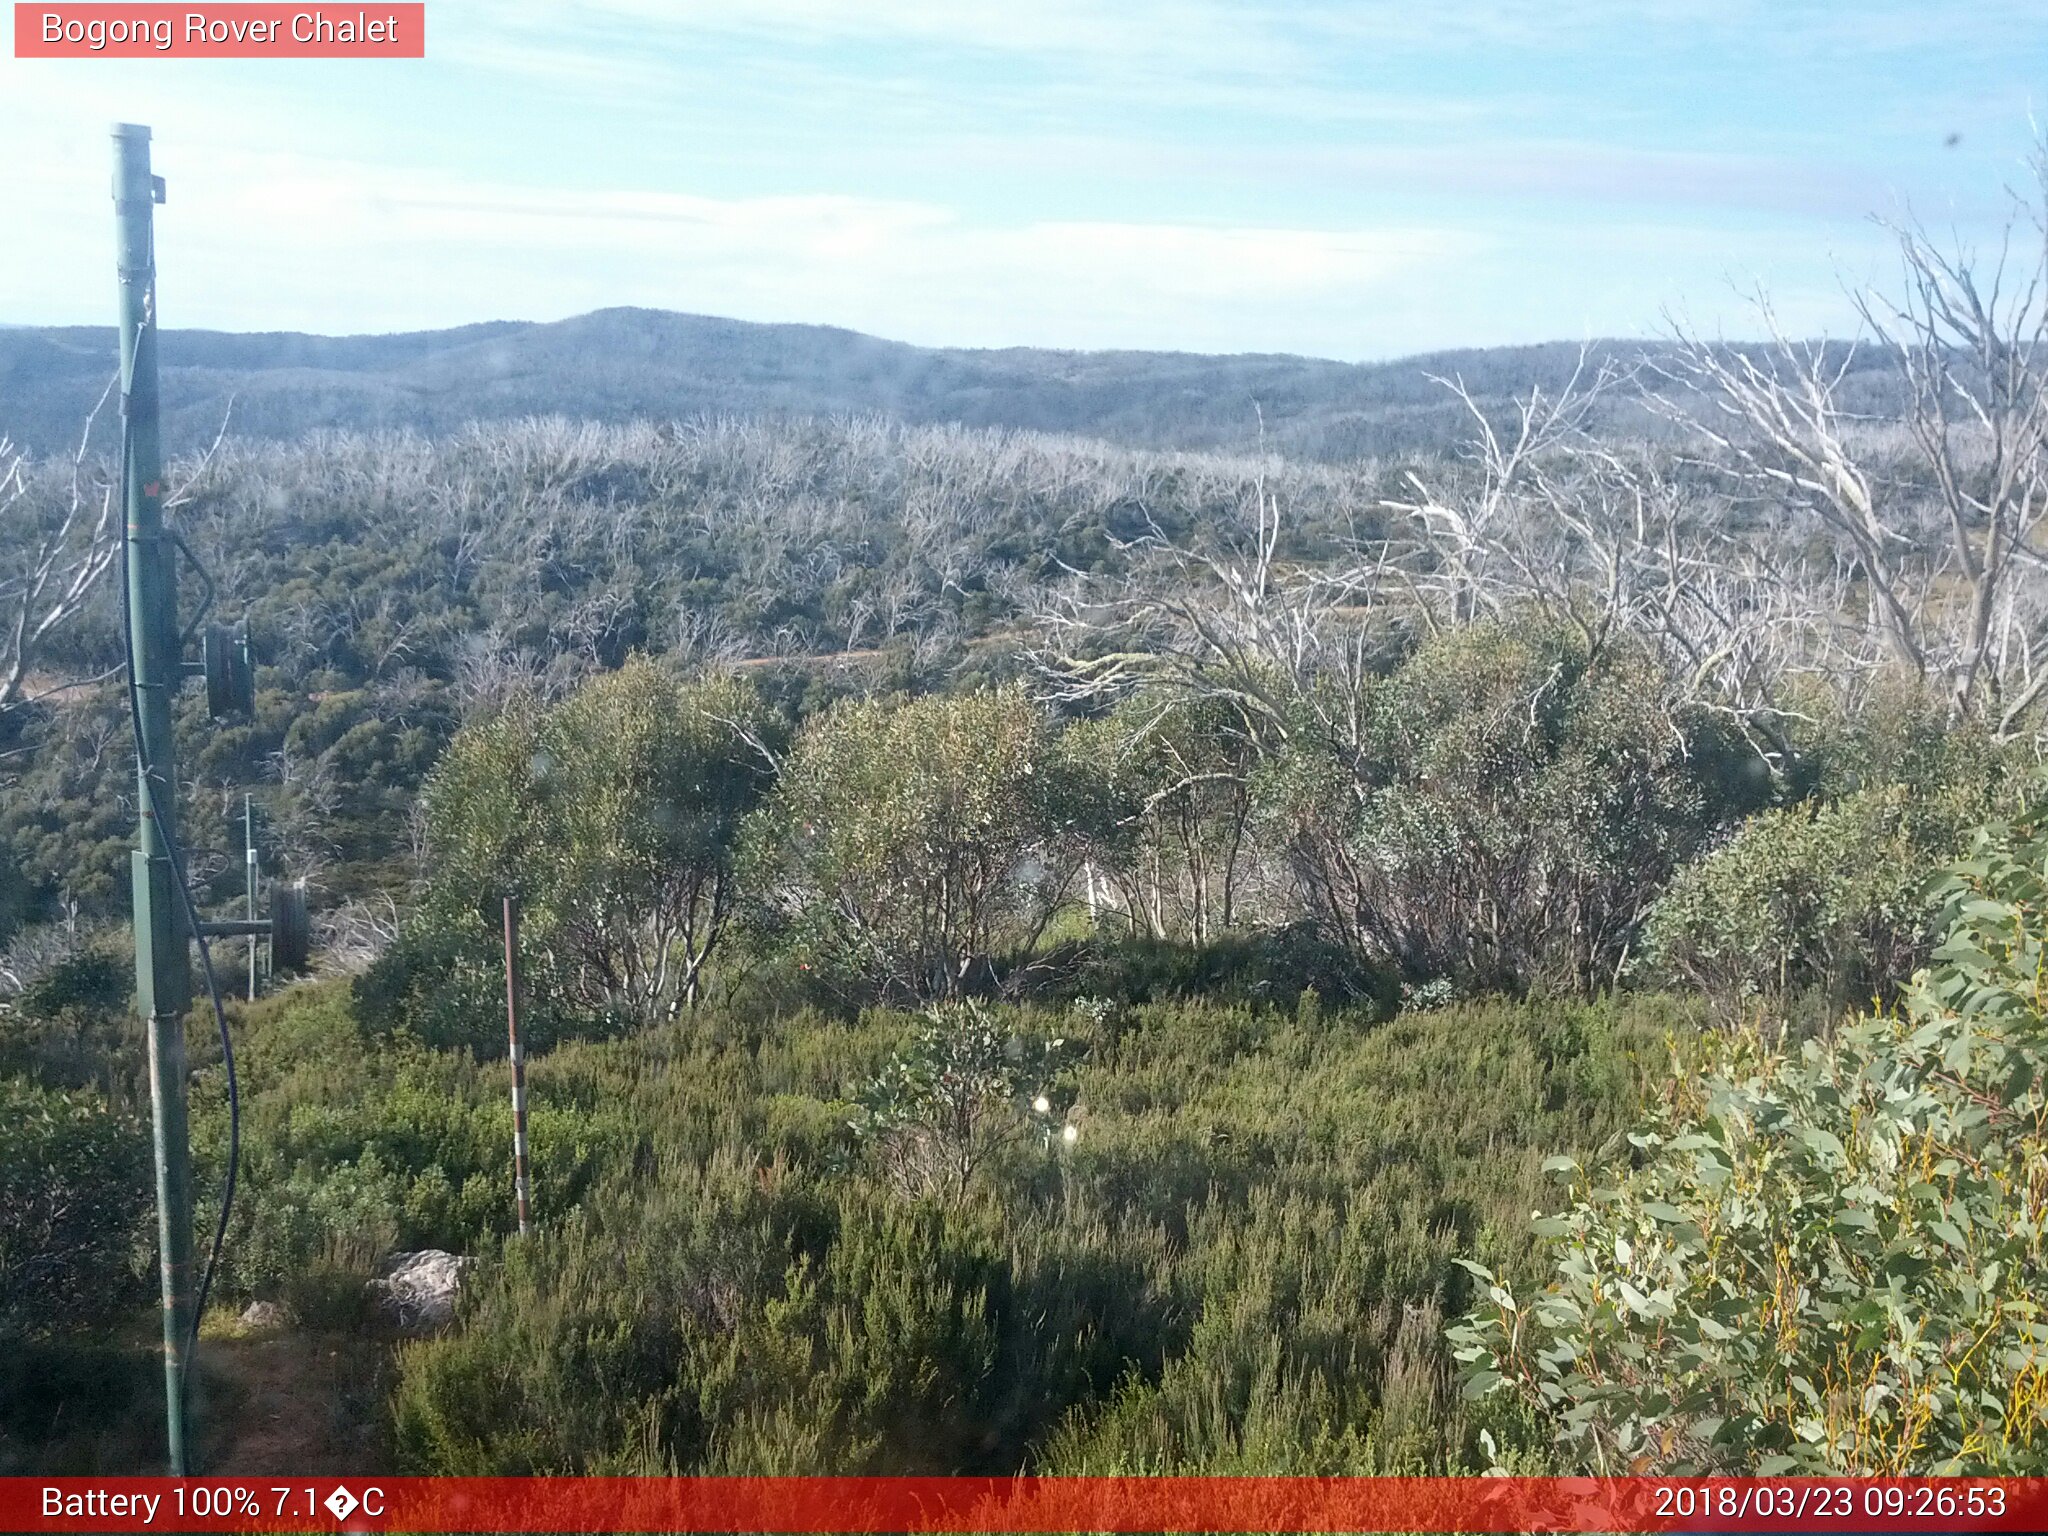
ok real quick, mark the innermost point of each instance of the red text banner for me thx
(231, 31)
(1048, 1504)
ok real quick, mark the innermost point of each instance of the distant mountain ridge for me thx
(621, 364)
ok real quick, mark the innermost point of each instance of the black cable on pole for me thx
(150, 776)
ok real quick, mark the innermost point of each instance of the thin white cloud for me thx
(1260, 36)
(1033, 110)
(1169, 173)
(270, 241)
(1182, 32)
(911, 269)
(273, 241)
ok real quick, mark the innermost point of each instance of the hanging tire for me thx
(291, 929)
(230, 670)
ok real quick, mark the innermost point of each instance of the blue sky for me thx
(1354, 180)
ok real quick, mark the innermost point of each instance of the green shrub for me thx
(1903, 732)
(327, 1297)
(1830, 1258)
(89, 979)
(908, 848)
(443, 985)
(1294, 1364)
(615, 817)
(965, 1094)
(1501, 809)
(354, 1147)
(75, 1406)
(72, 1027)
(1164, 800)
(1274, 965)
(1830, 897)
(74, 1195)
(1239, 1259)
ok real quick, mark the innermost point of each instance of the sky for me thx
(1356, 179)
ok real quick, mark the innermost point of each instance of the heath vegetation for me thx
(1082, 958)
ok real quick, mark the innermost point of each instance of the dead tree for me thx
(1600, 542)
(1944, 555)
(1973, 352)
(68, 548)
(1287, 646)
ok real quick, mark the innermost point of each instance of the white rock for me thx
(259, 1316)
(418, 1291)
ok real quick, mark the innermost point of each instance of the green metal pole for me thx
(163, 979)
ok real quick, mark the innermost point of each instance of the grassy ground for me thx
(1242, 1261)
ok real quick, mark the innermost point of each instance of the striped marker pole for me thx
(518, 1058)
(249, 870)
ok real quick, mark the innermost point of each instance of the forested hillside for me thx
(621, 365)
(1050, 955)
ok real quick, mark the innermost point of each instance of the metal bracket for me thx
(199, 568)
(289, 928)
